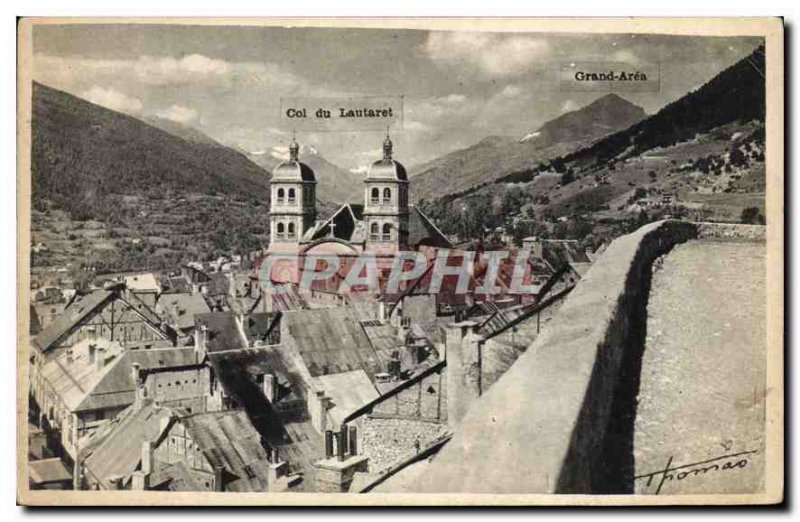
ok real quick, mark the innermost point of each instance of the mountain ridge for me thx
(496, 156)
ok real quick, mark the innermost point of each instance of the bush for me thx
(752, 216)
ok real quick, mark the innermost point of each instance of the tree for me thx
(752, 216)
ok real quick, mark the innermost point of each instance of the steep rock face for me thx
(497, 156)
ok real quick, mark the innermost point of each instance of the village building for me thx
(112, 313)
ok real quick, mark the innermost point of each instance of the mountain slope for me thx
(82, 154)
(112, 192)
(498, 156)
(735, 94)
(600, 118)
(704, 154)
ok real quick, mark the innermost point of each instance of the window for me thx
(291, 231)
(387, 195)
(291, 196)
(375, 196)
(374, 234)
(280, 229)
(387, 232)
(280, 195)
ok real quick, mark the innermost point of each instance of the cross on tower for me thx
(332, 226)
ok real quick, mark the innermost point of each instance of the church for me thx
(382, 225)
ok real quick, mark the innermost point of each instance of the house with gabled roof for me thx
(112, 313)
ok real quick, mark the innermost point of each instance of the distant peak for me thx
(613, 100)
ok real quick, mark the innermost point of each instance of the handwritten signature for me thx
(693, 469)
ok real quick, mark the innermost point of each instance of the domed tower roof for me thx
(293, 170)
(387, 168)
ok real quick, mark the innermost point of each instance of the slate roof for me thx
(142, 283)
(348, 224)
(176, 285)
(218, 284)
(422, 231)
(227, 439)
(115, 450)
(48, 470)
(560, 252)
(349, 391)
(174, 477)
(74, 377)
(117, 387)
(180, 309)
(223, 332)
(79, 310)
(331, 340)
(286, 425)
(263, 327)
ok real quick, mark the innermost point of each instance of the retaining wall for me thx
(561, 419)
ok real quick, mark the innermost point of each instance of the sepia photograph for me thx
(400, 261)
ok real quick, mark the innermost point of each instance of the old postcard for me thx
(400, 261)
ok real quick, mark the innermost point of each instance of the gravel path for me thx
(703, 372)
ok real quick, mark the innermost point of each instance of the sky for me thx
(458, 87)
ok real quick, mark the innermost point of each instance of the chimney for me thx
(270, 387)
(100, 357)
(92, 352)
(218, 478)
(318, 409)
(91, 333)
(140, 480)
(341, 446)
(457, 394)
(328, 444)
(353, 441)
(200, 339)
(275, 470)
(138, 386)
(69, 356)
(135, 374)
(147, 457)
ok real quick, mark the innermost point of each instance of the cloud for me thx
(454, 99)
(488, 54)
(569, 106)
(113, 99)
(195, 69)
(625, 56)
(361, 169)
(511, 91)
(178, 113)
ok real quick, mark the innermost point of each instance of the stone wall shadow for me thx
(600, 459)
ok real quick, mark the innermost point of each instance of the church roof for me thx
(347, 224)
(387, 169)
(293, 171)
(422, 231)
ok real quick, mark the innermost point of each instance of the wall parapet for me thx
(560, 420)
